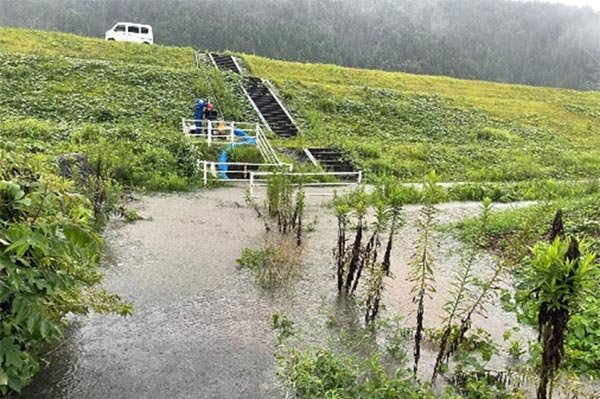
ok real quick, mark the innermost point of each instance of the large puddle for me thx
(201, 326)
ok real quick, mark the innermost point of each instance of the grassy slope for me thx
(391, 122)
(405, 124)
(66, 45)
(120, 102)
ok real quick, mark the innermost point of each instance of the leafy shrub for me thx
(49, 253)
(320, 373)
(512, 234)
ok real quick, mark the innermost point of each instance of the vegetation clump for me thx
(554, 262)
(273, 264)
(367, 255)
(49, 254)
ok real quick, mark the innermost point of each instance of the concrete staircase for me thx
(270, 108)
(262, 98)
(331, 160)
(225, 63)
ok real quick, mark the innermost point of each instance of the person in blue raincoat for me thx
(199, 113)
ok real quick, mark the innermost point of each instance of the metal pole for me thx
(205, 173)
(359, 176)
(232, 132)
(251, 183)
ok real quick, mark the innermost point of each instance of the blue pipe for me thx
(246, 140)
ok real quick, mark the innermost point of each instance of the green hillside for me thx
(121, 103)
(64, 85)
(467, 130)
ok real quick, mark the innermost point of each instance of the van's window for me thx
(144, 31)
(133, 29)
(120, 28)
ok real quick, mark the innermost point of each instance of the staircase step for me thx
(225, 63)
(333, 160)
(268, 106)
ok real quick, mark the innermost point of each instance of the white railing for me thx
(264, 146)
(251, 101)
(256, 180)
(212, 60)
(211, 169)
(218, 132)
(272, 91)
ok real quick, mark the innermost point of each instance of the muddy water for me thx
(200, 327)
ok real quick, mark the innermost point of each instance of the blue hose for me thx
(246, 140)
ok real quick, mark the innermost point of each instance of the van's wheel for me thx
(111, 40)
(147, 43)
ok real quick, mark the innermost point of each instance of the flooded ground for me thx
(201, 326)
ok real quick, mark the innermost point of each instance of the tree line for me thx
(499, 40)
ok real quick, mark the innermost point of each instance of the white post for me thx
(252, 183)
(359, 176)
(209, 134)
(232, 132)
(205, 173)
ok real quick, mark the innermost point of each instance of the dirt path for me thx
(200, 328)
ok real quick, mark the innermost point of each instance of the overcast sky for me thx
(595, 4)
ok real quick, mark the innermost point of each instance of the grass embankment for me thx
(406, 125)
(120, 103)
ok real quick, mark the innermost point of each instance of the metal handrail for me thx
(225, 134)
(212, 59)
(237, 65)
(269, 152)
(208, 166)
(254, 174)
(271, 89)
(215, 132)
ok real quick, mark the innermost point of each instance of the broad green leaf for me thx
(3, 377)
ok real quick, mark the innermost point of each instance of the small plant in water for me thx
(284, 206)
(421, 273)
(463, 286)
(359, 257)
(274, 264)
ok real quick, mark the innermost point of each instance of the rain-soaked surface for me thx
(201, 326)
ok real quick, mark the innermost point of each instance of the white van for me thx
(130, 32)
